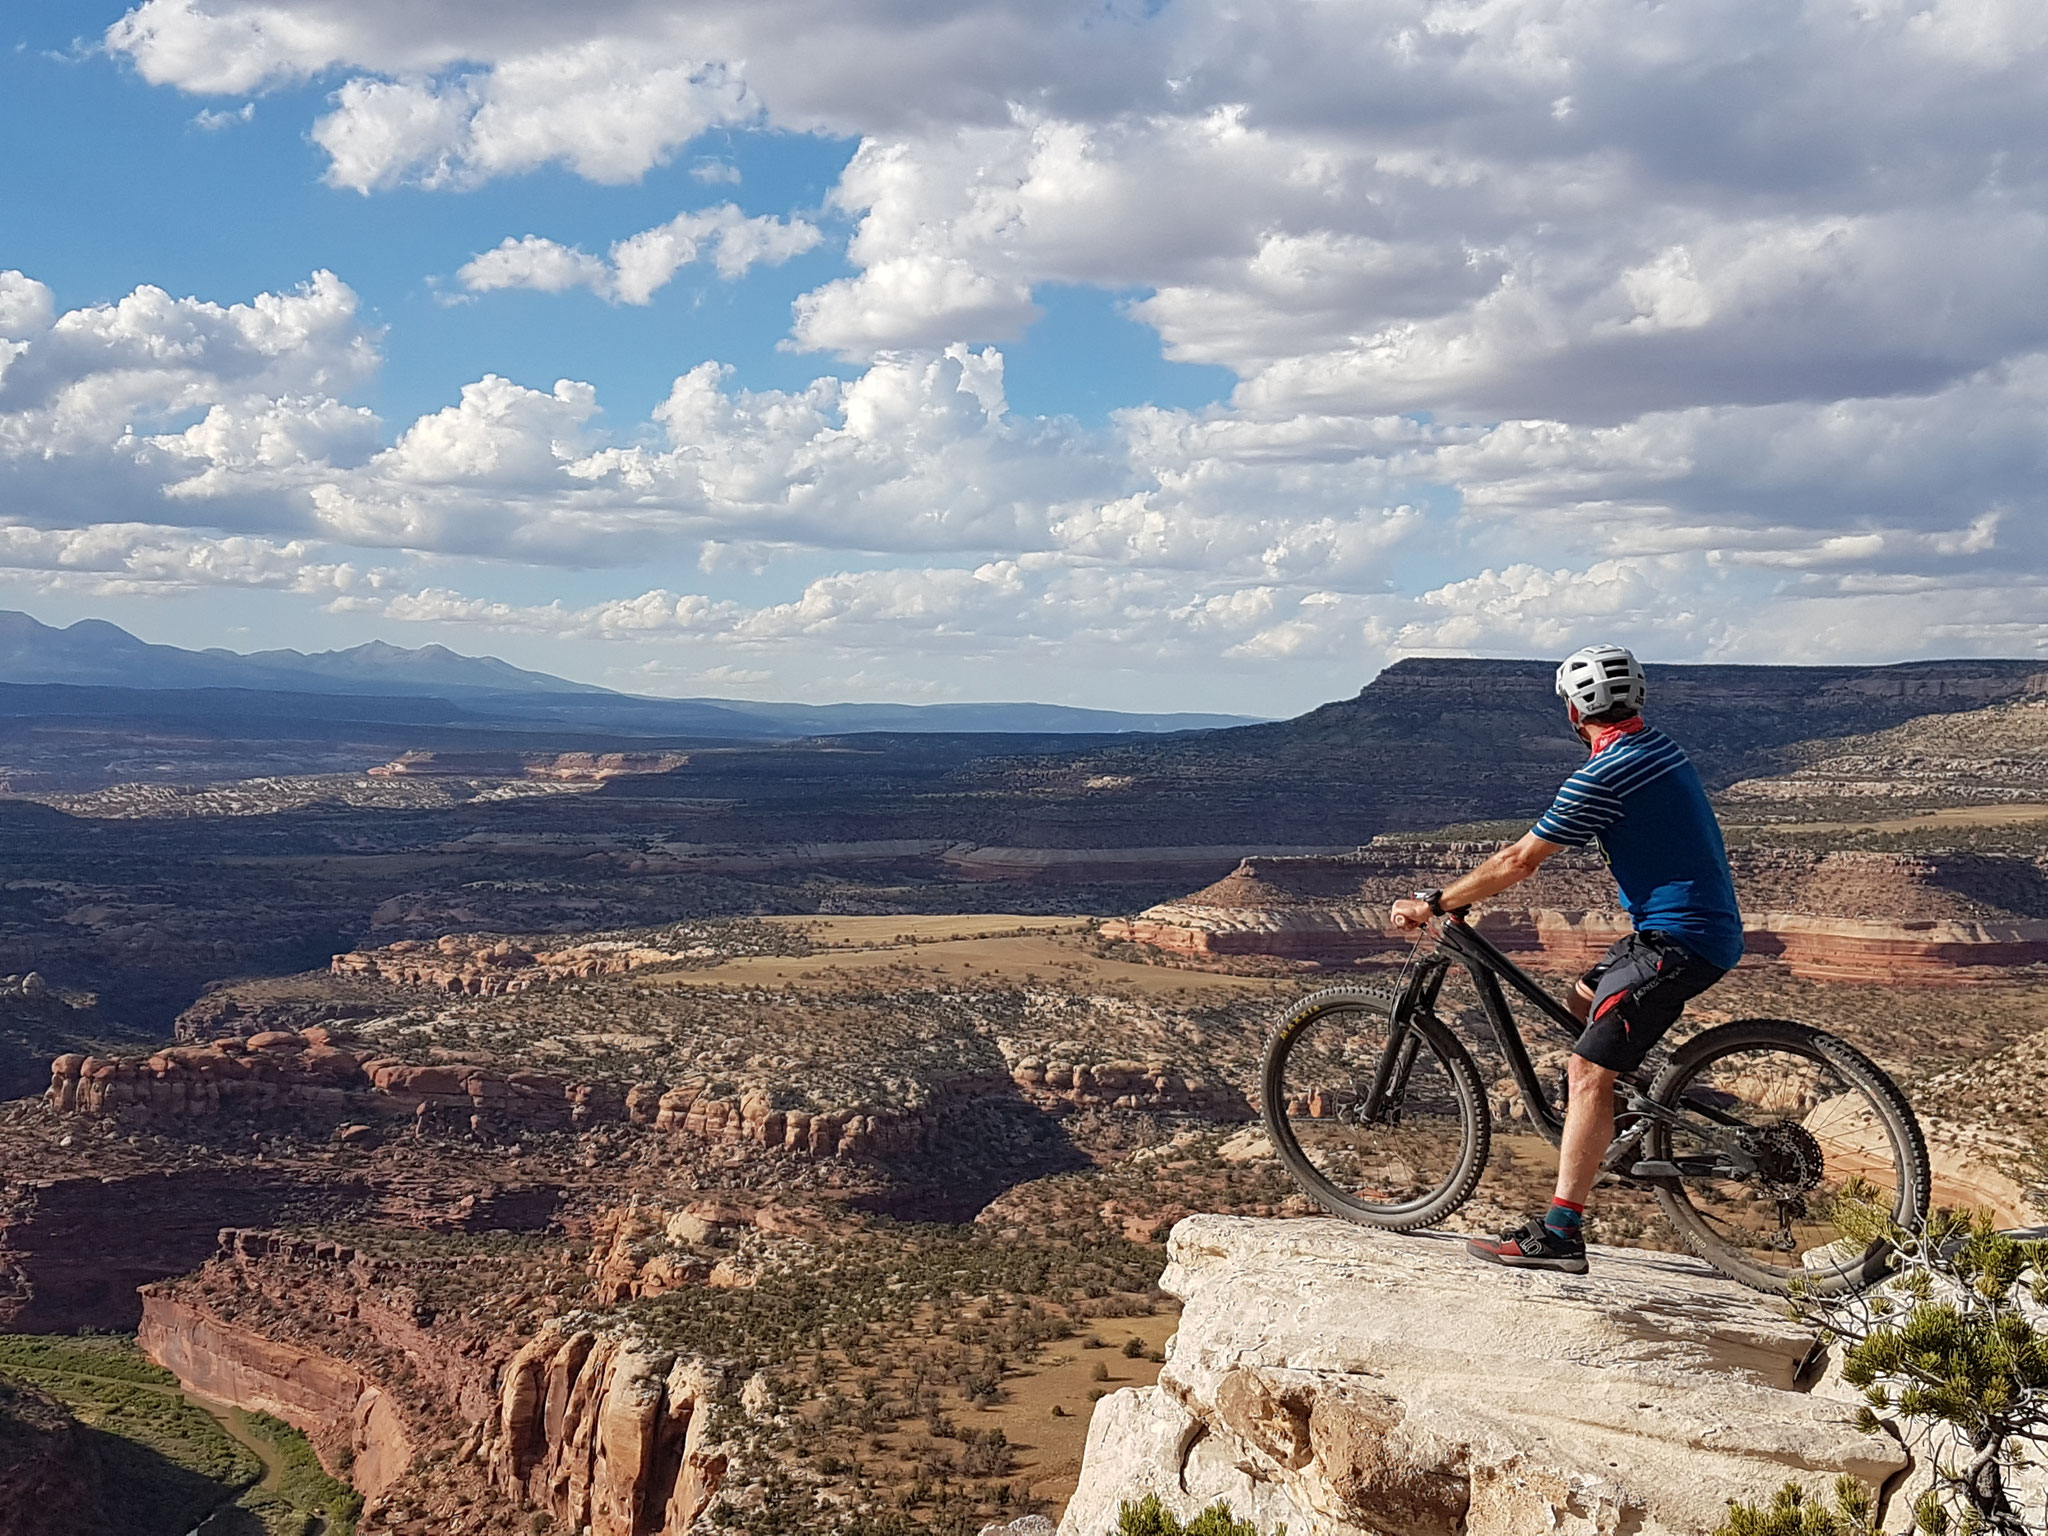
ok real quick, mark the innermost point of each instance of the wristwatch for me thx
(1435, 899)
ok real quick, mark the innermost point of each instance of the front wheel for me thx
(1381, 1125)
(1778, 1122)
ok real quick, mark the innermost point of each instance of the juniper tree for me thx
(1952, 1353)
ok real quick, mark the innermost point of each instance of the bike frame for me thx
(1458, 943)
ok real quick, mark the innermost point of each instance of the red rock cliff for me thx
(606, 1433)
(354, 1424)
(1847, 916)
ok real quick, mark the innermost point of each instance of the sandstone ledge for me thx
(279, 1075)
(1342, 1382)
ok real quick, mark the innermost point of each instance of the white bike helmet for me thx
(1600, 678)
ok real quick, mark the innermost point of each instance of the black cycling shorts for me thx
(1640, 987)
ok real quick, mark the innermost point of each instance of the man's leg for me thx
(1553, 1240)
(1629, 1002)
(1588, 1130)
(1588, 1126)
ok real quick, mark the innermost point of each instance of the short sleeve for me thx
(1583, 809)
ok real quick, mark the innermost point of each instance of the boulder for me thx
(1344, 1382)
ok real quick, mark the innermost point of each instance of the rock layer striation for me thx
(1844, 916)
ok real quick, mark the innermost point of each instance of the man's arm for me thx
(1509, 867)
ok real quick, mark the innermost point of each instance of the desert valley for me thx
(560, 1124)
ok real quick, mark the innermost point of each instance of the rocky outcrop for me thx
(355, 1425)
(1344, 1382)
(606, 1433)
(278, 1073)
(282, 1072)
(481, 966)
(643, 1249)
(380, 1297)
(1846, 916)
(887, 1132)
(1124, 1084)
(410, 1365)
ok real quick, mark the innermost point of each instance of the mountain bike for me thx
(1747, 1133)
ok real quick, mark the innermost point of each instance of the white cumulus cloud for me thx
(1718, 326)
(605, 111)
(640, 265)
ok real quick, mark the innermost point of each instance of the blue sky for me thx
(1130, 356)
(240, 209)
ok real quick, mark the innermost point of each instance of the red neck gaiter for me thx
(1605, 736)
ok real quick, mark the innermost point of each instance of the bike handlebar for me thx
(1449, 915)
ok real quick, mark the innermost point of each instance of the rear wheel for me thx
(1416, 1158)
(1818, 1119)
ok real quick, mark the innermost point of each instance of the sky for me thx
(1144, 354)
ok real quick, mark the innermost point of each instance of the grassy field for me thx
(171, 1463)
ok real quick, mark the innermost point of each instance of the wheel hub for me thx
(1789, 1161)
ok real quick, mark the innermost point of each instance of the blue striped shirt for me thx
(1641, 799)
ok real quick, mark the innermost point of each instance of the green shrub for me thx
(303, 1483)
(1792, 1513)
(1149, 1517)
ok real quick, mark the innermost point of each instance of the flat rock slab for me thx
(1338, 1380)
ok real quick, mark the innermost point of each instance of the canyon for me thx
(786, 1136)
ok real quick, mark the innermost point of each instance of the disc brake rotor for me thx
(1789, 1161)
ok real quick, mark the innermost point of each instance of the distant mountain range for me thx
(95, 654)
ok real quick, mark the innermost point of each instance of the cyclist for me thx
(1639, 796)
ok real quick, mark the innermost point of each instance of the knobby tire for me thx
(1476, 1127)
(1870, 1080)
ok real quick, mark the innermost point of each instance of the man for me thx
(1640, 797)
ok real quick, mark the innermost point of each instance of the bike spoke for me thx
(1387, 1158)
(1786, 1133)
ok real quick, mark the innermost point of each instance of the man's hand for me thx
(1411, 913)
(1511, 866)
